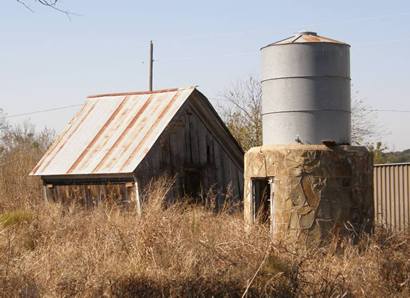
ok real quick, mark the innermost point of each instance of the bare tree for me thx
(242, 112)
(365, 131)
(242, 108)
(53, 4)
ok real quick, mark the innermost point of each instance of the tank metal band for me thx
(306, 77)
(307, 111)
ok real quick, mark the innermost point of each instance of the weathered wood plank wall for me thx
(92, 194)
(188, 150)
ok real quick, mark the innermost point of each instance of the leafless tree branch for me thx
(53, 4)
(25, 5)
(241, 110)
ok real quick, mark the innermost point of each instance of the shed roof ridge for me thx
(139, 92)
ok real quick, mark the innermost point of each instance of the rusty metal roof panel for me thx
(306, 37)
(112, 133)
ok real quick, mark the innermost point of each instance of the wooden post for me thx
(129, 189)
(137, 199)
(48, 192)
(45, 193)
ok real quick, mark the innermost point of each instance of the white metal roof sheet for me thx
(112, 133)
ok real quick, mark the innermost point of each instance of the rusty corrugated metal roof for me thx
(306, 37)
(111, 133)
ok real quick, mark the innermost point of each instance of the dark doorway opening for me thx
(261, 194)
(192, 184)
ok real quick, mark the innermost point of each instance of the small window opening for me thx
(261, 193)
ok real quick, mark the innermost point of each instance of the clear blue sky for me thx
(48, 61)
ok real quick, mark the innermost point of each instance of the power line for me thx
(78, 105)
(42, 111)
(389, 110)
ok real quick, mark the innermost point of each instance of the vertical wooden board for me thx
(171, 153)
(203, 135)
(49, 194)
(218, 167)
(232, 178)
(241, 184)
(99, 194)
(187, 133)
(212, 171)
(176, 160)
(235, 182)
(131, 196)
(122, 199)
(45, 193)
(108, 192)
(78, 193)
(156, 158)
(194, 139)
(104, 193)
(86, 195)
(181, 145)
(163, 151)
(69, 193)
(138, 202)
(224, 170)
(64, 193)
(95, 194)
(118, 195)
(229, 173)
(56, 194)
(151, 161)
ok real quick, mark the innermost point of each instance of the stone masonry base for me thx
(317, 191)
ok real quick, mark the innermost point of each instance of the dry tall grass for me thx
(59, 251)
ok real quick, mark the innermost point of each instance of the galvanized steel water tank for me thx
(306, 90)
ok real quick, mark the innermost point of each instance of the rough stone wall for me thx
(318, 190)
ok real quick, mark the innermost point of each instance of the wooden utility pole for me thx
(151, 64)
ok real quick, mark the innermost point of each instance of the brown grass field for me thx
(49, 250)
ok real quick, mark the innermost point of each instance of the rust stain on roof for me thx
(71, 129)
(123, 134)
(112, 133)
(151, 129)
(94, 140)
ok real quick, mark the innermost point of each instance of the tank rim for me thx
(304, 43)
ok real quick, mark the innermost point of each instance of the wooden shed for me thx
(117, 143)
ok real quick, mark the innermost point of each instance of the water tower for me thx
(306, 180)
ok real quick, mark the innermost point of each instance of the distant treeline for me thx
(394, 157)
